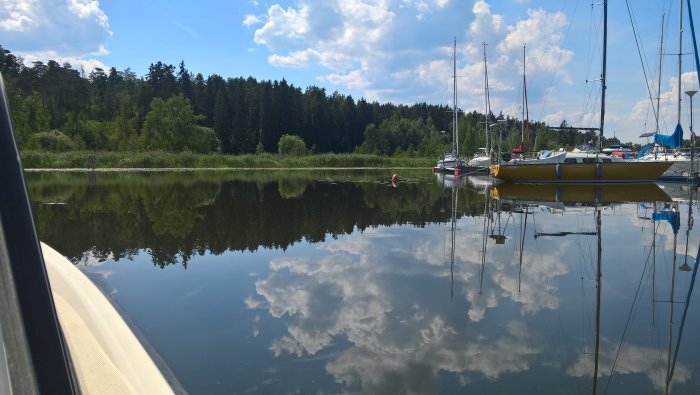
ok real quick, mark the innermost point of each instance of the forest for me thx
(56, 107)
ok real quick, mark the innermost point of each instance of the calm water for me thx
(341, 283)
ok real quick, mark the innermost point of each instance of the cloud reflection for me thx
(637, 360)
(387, 301)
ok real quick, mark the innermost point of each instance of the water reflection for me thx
(178, 215)
(341, 283)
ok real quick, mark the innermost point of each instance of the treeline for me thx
(56, 107)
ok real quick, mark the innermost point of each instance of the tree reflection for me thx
(176, 215)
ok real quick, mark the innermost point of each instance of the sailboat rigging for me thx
(666, 148)
(482, 159)
(581, 166)
(526, 114)
(452, 162)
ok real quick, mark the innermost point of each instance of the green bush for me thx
(291, 145)
(52, 140)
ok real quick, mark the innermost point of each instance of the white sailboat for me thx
(483, 159)
(452, 162)
(666, 148)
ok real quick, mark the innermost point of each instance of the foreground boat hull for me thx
(611, 172)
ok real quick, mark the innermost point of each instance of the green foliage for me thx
(160, 159)
(52, 140)
(30, 118)
(398, 135)
(291, 145)
(170, 126)
(259, 149)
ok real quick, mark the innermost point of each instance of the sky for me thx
(397, 51)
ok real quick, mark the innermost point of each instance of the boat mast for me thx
(526, 111)
(486, 97)
(603, 74)
(599, 284)
(599, 274)
(658, 85)
(522, 127)
(680, 55)
(455, 116)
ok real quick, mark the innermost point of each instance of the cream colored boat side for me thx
(106, 355)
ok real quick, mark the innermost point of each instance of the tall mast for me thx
(680, 54)
(598, 292)
(599, 283)
(522, 127)
(603, 74)
(486, 99)
(455, 117)
(658, 85)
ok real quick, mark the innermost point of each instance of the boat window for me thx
(570, 160)
(588, 160)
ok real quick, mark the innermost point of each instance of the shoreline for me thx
(186, 169)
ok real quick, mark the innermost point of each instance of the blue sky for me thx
(387, 50)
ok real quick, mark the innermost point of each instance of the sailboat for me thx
(451, 162)
(526, 115)
(666, 147)
(482, 159)
(579, 167)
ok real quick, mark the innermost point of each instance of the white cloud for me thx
(89, 10)
(284, 28)
(251, 20)
(87, 64)
(68, 30)
(377, 48)
(485, 23)
(17, 15)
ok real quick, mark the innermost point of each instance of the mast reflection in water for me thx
(338, 282)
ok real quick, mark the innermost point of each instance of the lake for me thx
(340, 282)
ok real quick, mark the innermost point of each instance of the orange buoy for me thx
(395, 180)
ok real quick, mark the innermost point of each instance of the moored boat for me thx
(582, 167)
(578, 167)
(452, 162)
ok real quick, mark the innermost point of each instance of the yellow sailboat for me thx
(581, 167)
(578, 167)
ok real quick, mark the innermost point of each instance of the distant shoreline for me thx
(186, 169)
(164, 161)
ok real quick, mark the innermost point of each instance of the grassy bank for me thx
(126, 160)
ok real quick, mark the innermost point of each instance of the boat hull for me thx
(680, 171)
(612, 172)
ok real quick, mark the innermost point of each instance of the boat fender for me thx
(599, 169)
(395, 180)
(598, 196)
(458, 172)
(557, 170)
(557, 195)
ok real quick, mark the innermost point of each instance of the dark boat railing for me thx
(35, 349)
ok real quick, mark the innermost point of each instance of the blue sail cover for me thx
(644, 150)
(673, 217)
(673, 141)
